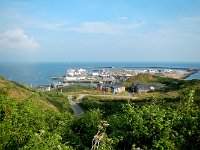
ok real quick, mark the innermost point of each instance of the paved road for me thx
(77, 110)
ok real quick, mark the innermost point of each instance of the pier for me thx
(58, 78)
(175, 68)
(81, 81)
(105, 67)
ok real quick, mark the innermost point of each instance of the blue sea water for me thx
(34, 74)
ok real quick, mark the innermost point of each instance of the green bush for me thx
(154, 127)
(25, 126)
(81, 131)
(152, 124)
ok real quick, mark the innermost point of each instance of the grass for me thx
(52, 100)
(142, 96)
(80, 89)
(141, 78)
(172, 90)
(106, 98)
(59, 100)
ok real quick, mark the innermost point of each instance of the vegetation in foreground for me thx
(44, 120)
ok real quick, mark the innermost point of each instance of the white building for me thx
(67, 78)
(105, 73)
(71, 72)
(75, 72)
(81, 78)
(95, 74)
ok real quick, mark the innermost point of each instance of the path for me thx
(128, 96)
(77, 109)
(80, 98)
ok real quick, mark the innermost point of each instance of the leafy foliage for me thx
(154, 127)
(33, 123)
(24, 125)
(154, 124)
(83, 129)
(107, 107)
(59, 100)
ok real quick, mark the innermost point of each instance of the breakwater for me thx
(150, 67)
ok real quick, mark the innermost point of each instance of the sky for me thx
(99, 30)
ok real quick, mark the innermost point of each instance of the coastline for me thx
(194, 71)
(182, 74)
(34, 74)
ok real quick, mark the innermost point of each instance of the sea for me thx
(35, 74)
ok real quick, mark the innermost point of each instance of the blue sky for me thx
(100, 30)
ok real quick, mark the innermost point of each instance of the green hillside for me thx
(142, 78)
(174, 88)
(32, 119)
(29, 118)
(52, 101)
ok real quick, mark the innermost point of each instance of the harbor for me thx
(46, 73)
(94, 75)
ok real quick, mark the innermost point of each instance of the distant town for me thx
(109, 79)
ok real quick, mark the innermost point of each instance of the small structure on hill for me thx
(56, 85)
(141, 87)
(44, 87)
(110, 88)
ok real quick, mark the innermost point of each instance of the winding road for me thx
(77, 109)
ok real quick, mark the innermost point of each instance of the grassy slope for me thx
(142, 78)
(148, 78)
(32, 119)
(80, 89)
(52, 101)
(173, 89)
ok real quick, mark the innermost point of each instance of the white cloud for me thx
(122, 18)
(105, 28)
(12, 18)
(54, 26)
(17, 40)
(182, 25)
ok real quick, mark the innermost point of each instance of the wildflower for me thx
(104, 123)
